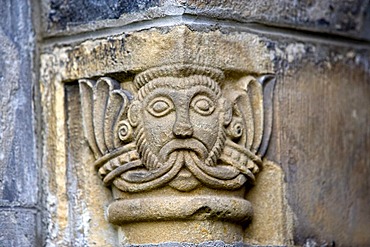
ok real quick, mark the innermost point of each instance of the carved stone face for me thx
(183, 116)
(180, 130)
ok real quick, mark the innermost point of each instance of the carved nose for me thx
(183, 129)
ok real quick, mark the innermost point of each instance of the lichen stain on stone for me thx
(295, 51)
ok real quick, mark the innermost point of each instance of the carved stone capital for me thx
(181, 145)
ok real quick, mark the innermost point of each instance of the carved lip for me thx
(183, 144)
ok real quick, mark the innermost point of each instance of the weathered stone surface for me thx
(20, 227)
(180, 231)
(136, 51)
(19, 175)
(71, 196)
(271, 225)
(205, 244)
(63, 13)
(347, 18)
(320, 138)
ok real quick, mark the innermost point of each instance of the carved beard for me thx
(182, 147)
(164, 168)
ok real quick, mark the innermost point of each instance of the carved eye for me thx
(203, 105)
(160, 107)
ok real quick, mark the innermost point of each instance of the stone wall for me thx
(314, 188)
(19, 169)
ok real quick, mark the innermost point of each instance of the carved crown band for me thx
(178, 71)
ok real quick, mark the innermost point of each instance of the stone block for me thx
(320, 137)
(18, 161)
(61, 15)
(345, 18)
(19, 176)
(19, 227)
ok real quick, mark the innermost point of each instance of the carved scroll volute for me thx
(186, 129)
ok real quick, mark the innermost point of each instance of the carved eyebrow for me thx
(181, 83)
(159, 92)
(203, 90)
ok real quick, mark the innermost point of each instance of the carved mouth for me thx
(183, 144)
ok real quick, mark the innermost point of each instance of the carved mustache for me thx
(183, 144)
